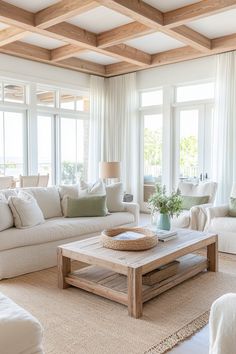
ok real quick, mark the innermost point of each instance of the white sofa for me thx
(32, 249)
(196, 217)
(20, 332)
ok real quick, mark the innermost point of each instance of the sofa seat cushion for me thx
(61, 229)
(182, 221)
(224, 224)
(20, 332)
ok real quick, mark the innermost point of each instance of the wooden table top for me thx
(92, 251)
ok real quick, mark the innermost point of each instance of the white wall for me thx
(179, 73)
(31, 71)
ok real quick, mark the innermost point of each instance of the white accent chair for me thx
(43, 180)
(34, 181)
(7, 182)
(219, 222)
(196, 217)
(20, 332)
(29, 181)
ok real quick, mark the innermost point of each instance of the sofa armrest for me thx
(198, 216)
(216, 212)
(132, 208)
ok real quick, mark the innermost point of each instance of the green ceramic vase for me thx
(163, 222)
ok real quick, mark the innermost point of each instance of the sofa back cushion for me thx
(48, 199)
(25, 210)
(6, 217)
(201, 189)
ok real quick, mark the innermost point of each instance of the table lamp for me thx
(109, 170)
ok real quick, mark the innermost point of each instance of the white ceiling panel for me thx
(97, 58)
(154, 43)
(99, 20)
(3, 26)
(169, 5)
(32, 5)
(217, 25)
(42, 41)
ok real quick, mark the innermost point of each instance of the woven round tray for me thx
(148, 240)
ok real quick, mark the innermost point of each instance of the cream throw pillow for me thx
(6, 217)
(115, 195)
(88, 188)
(25, 210)
(70, 190)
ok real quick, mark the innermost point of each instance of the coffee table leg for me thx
(135, 298)
(63, 268)
(212, 256)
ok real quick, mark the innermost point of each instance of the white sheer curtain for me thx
(96, 131)
(121, 128)
(224, 126)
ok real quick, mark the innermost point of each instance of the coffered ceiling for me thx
(112, 37)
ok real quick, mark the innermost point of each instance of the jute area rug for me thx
(76, 322)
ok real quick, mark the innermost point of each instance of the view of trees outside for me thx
(152, 148)
(188, 158)
(71, 172)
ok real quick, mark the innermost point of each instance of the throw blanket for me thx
(223, 325)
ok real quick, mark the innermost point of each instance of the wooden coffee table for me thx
(117, 275)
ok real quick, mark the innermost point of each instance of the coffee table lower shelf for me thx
(114, 286)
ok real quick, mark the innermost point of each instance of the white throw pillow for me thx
(25, 210)
(70, 190)
(48, 199)
(92, 188)
(6, 217)
(115, 196)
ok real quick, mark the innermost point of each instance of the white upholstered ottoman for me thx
(20, 332)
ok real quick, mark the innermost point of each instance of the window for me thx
(193, 125)
(152, 148)
(151, 98)
(195, 92)
(13, 93)
(189, 150)
(12, 143)
(44, 130)
(70, 100)
(151, 140)
(74, 149)
(46, 98)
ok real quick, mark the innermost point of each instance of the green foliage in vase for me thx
(163, 203)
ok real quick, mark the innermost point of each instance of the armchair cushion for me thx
(189, 201)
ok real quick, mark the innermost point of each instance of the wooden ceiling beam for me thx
(15, 16)
(195, 11)
(137, 10)
(122, 33)
(153, 18)
(190, 37)
(82, 65)
(11, 34)
(32, 52)
(27, 51)
(130, 54)
(67, 51)
(62, 11)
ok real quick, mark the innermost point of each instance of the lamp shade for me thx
(109, 169)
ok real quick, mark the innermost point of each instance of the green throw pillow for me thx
(86, 206)
(190, 201)
(232, 206)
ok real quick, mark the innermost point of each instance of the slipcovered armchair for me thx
(220, 221)
(196, 216)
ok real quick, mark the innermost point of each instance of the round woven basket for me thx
(148, 240)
